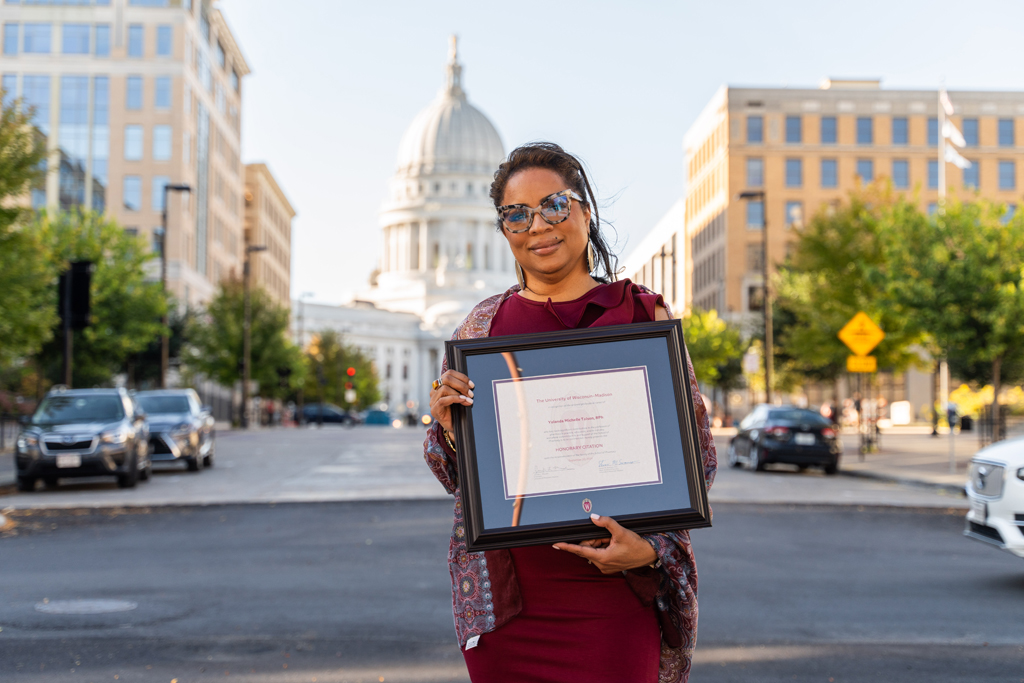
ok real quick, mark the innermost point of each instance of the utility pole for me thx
(769, 352)
(247, 332)
(165, 341)
(302, 347)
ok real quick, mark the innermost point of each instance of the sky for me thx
(335, 83)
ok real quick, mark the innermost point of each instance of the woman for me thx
(613, 610)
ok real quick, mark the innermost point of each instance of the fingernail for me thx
(468, 399)
(471, 393)
(556, 547)
(594, 516)
(472, 385)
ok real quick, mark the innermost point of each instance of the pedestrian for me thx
(622, 610)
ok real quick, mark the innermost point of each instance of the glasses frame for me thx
(536, 210)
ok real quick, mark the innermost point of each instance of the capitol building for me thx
(441, 254)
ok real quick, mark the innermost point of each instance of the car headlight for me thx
(1020, 474)
(116, 436)
(183, 428)
(27, 441)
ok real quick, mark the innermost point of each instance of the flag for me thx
(953, 157)
(950, 132)
(944, 101)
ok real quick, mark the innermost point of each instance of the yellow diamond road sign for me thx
(861, 334)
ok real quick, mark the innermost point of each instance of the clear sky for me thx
(334, 84)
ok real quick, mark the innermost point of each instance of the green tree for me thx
(28, 306)
(215, 338)
(838, 267)
(126, 307)
(960, 275)
(327, 361)
(716, 351)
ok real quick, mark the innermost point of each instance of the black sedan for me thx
(314, 413)
(83, 433)
(786, 434)
(181, 428)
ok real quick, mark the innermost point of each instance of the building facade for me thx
(441, 253)
(268, 223)
(134, 95)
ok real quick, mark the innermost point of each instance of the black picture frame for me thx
(658, 343)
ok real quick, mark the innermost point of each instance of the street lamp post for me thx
(165, 340)
(769, 352)
(247, 333)
(302, 347)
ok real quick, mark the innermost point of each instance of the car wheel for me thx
(26, 484)
(208, 460)
(195, 463)
(832, 468)
(50, 482)
(802, 468)
(129, 479)
(146, 472)
(734, 459)
(755, 459)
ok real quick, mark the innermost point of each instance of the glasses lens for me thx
(516, 218)
(556, 208)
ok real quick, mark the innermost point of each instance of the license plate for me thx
(69, 461)
(979, 508)
(804, 439)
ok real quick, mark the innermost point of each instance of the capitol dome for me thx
(450, 135)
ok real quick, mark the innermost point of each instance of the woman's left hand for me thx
(625, 550)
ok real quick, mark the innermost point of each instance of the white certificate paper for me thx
(577, 431)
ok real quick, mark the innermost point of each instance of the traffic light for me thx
(314, 345)
(351, 372)
(348, 385)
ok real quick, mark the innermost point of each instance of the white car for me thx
(996, 492)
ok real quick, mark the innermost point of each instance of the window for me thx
(794, 173)
(162, 92)
(755, 129)
(828, 130)
(933, 132)
(866, 170)
(829, 173)
(76, 39)
(794, 215)
(163, 41)
(150, 3)
(755, 297)
(1007, 175)
(900, 134)
(37, 39)
(755, 172)
(35, 90)
(901, 173)
(159, 183)
(755, 215)
(1006, 136)
(186, 147)
(755, 258)
(1011, 209)
(971, 176)
(102, 40)
(133, 145)
(73, 138)
(971, 132)
(234, 80)
(933, 208)
(218, 54)
(10, 39)
(794, 130)
(933, 175)
(100, 141)
(9, 84)
(161, 143)
(865, 130)
(135, 40)
(132, 192)
(133, 93)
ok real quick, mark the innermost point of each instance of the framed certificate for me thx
(568, 423)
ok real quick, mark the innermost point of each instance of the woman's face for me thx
(547, 251)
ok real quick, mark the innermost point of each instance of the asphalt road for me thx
(358, 591)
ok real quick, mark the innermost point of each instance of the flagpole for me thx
(942, 151)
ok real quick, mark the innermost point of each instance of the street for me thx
(880, 587)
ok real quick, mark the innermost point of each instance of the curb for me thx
(958, 491)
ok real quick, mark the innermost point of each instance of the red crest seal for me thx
(587, 505)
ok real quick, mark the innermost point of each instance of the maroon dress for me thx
(576, 624)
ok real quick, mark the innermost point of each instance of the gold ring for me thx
(436, 385)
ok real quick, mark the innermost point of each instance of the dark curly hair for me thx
(552, 157)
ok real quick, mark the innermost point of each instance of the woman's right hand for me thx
(455, 388)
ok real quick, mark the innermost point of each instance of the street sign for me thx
(861, 364)
(861, 334)
(350, 396)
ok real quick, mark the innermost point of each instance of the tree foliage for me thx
(126, 308)
(26, 274)
(327, 360)
(215, 341)
(716, 348)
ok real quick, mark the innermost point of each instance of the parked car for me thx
(786, 434)
(377, 417)
(180, 427)
(995, 489)
(83, 433)
(311, 412)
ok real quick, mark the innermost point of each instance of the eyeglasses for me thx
(554, 209)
